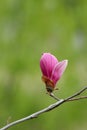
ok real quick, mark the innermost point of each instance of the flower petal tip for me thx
(66, 62)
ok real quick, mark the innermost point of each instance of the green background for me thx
(27, 29)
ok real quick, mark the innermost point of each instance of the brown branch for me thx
(71, 98)
(79, 98)
(47, 109)
(76, 94)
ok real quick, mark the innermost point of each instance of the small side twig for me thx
(47, 109)
(72, 98)
(79, 98)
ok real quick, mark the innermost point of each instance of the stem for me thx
(52, 95)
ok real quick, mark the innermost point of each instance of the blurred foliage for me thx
(27, 29)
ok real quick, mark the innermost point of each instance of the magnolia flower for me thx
(52, 70)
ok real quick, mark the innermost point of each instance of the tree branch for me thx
(34, 115)
(49, 108)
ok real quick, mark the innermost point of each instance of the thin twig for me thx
(76, 94)
(71, 98)
(47, 109)
(79, 98)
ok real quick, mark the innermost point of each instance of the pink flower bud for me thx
(52, 70)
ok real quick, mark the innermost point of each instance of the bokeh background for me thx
(27, 29)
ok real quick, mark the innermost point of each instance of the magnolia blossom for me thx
(52, 70)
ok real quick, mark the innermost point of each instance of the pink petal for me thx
(58, 70)
(47, 63)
